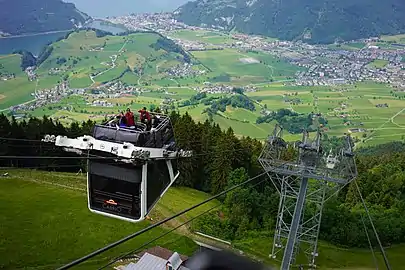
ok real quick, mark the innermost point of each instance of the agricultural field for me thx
(354, 46)
(371, 111)
(87, 60)
(206, 36)
(359, 108)
(395, 38)
(378, 63)
(33, 228)
(10, 64)
(231, 65)
(107, 57)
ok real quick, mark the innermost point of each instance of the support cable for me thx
(369, 241)
(129, 237)
(104, 158)
(157, 238)
(387, 264)
(166, 233)
(56, 157)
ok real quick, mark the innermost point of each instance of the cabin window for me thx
(158, 181)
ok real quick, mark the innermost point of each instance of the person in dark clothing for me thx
(145, 118)
(130, 118)
(123, 120)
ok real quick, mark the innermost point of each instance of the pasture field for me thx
(378, 63)
(44, 211)
(41, 212)
(14, 90)
(244, 67)
(205, 36)
(330, 257)
(395, 38)
(106, 57)
(83, 54)
(349, 46)
(10, 64)
(361, 105)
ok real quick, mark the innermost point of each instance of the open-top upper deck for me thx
(161, 134)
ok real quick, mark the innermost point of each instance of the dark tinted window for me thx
(117, 192)
(158, 180)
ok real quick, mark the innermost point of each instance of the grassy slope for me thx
(16, 90)
(330, 257)
(77, 48)
(45, 225)
(48, 225)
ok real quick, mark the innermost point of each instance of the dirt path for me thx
(370, 137)
(114, 59)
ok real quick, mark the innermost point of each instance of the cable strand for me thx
(166, 233)
(129, 237)
(387, 264)
(157, 238)
(369, 241)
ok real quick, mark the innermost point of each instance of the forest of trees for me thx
(221, 160)
(29, 60)
(291, 121)
(21, 16)
(170, 46)
(341, 20)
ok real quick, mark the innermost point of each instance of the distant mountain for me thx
(315, 21)
(106, 8)
(34, 16)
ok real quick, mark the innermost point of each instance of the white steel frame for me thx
(125, 152)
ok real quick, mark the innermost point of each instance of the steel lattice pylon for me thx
(304, 180)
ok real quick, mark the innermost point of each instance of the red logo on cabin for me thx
(112, 202)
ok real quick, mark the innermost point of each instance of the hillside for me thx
(32, 16)
(318, 21)
(35, 196)
(34, 236)
(221, 160)
(124, 7)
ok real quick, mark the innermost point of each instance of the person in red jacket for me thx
(145, 117)
(130, 118)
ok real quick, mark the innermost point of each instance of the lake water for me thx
(115, 29)
(35, 43)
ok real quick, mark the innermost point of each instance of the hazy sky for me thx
(103, 8)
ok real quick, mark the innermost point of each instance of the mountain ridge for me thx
(32, 16)
(125, 7)
(314, 21)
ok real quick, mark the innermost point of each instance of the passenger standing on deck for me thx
(123, 120)
(130, 118)
(145, 118)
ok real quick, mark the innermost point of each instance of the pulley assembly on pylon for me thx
(134, 168)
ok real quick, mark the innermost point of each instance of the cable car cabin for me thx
(135, 167)
(128, 191)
